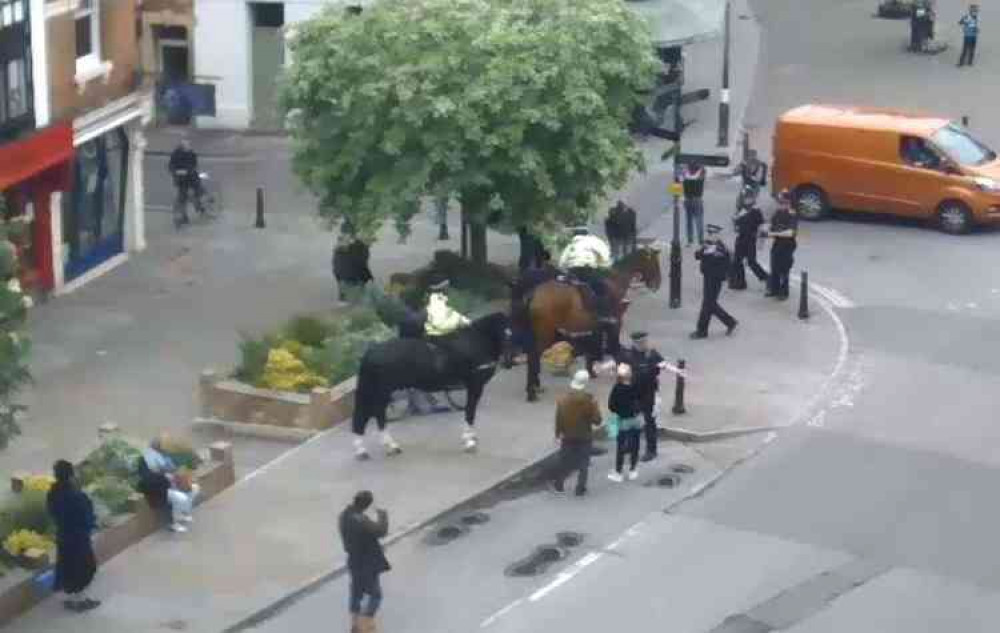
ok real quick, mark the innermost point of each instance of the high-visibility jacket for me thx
(441, 317)
(586, 251)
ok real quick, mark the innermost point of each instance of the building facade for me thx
(72, 144)
(246, 90)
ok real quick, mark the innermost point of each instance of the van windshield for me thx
(959, 145)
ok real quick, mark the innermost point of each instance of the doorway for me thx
(267, 63)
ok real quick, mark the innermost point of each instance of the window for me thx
(916, 152)
(88, 36)
(961, 147)
(15, 67)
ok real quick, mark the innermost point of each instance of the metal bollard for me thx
(678, 408)
(804, 296)
(260, 209)
(965, 120)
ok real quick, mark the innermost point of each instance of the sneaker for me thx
(698, 335)
(177, 527)
(88, 604)
(648, 457)
(580, 492)
(616, 477)
(633, 474)
(731, 328)
(187, 519)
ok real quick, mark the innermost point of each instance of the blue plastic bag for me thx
(613, 423)
(45, 582)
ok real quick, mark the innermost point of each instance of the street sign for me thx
(709, 160)
(675, 188)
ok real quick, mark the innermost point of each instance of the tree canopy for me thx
(14, 345)
(517, 107)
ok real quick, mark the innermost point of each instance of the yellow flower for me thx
(21, 541)
(285, 372)
(40, 483)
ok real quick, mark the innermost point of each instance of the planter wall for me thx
(19, 589)
(236, 402)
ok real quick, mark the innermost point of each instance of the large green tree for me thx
(14, 344)
(517, 107)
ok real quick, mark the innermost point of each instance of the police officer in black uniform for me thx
(783, 231)
(747, 222)
(715, 263)
(645, 362)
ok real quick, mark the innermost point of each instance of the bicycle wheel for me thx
(457, 398)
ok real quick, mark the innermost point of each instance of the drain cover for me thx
(668, 481)
(445, 534)
(569, 539)
(681, 469)
(524, 568)
(476, 518)
(549, 553)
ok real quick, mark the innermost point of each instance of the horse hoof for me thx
(362, 457)
(392, 451)
(470, 447)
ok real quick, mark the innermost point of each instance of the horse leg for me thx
(388, 443)
(358, 423)
(474, 391)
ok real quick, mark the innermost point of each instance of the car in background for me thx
(885, 161)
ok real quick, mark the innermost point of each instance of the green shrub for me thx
(253, 357)
(26, 511)
(115, 457)
(112, 492)
(309, 330)
(362, 320)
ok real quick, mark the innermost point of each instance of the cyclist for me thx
(183, 166)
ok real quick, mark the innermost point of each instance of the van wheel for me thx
(954, 217)
(811, 202)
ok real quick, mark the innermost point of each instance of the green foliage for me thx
(518, 107)
(114, 458)
(309, 330)
(253, 357)
(26, 511)
(112, 492)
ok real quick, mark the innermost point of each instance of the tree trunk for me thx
(477, 242)
(465, 233)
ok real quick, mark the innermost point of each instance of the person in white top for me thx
(441, 317)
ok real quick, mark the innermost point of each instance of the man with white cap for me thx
(577, 413)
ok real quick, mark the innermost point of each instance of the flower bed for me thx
(108, 476)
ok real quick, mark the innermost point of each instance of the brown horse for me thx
(557, 311)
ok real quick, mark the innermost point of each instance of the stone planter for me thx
(233, 402)
(22, 589)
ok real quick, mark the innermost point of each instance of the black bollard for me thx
(965, 120)
(678, 407)
(260, 209)
(804, 296)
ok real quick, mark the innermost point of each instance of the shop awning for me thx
(46, 148)
(678, 22)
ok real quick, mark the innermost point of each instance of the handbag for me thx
(613, 424)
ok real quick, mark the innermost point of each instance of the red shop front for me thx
(31, 170)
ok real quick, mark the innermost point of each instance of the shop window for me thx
(94, 213)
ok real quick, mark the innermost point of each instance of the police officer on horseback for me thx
(441, 317)
(588, 259)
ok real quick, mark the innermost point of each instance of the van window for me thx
(916, 152)
(961, 147)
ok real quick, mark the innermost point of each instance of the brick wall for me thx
(119, 45)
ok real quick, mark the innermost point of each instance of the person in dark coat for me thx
(624, 403)
(783, 231)
(366, 560)
(183, 166)
(530, 253)
(715, 262)
(646, 362)
(73, 514)
(747, 222)
(350, 264)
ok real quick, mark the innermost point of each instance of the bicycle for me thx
(399, 402)
(207, 200)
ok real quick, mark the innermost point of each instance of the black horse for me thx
(467, 357)
(350, 266)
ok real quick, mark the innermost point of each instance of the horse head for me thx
(495, 328)
(644, 263)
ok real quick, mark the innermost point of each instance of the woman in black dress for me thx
(73, 514)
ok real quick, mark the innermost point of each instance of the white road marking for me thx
(837, 299)
(280, 458)
(499, 614)
(838, 368)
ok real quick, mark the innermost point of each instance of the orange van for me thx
(885, 161)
